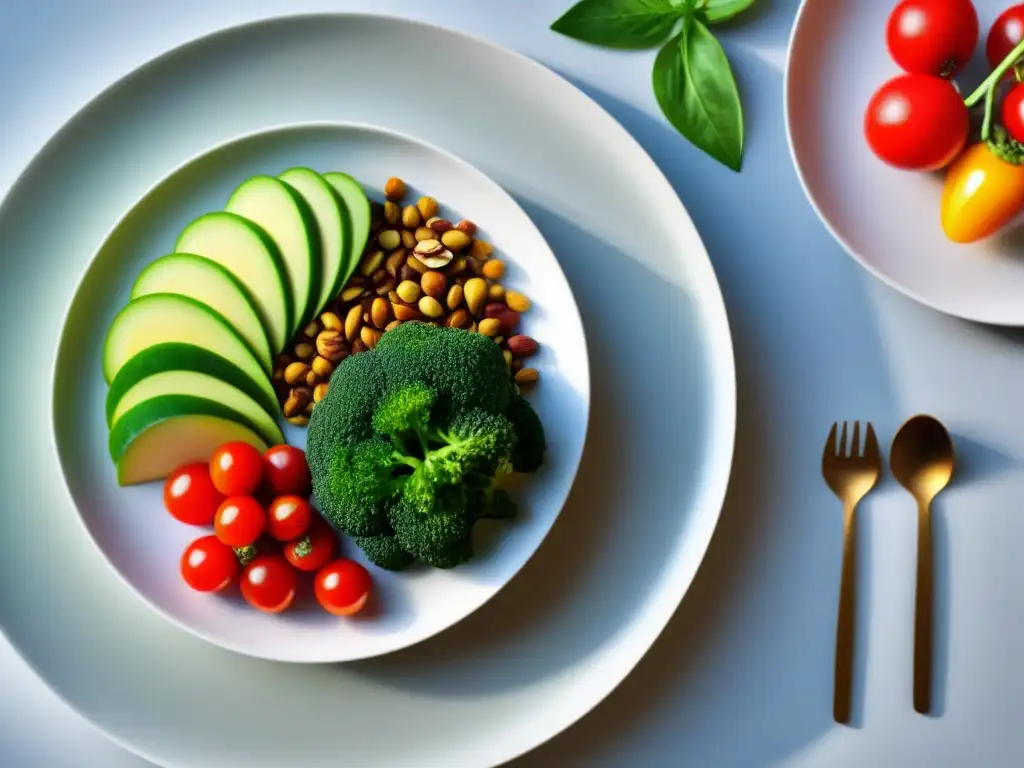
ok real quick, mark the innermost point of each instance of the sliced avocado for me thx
(357, 219)
(169, 317)
(327, 206)
(209, 283)
(157, 436)
(176, 356)
(280, 211)
(205, 387)
(248, 253)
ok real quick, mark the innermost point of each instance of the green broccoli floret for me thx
(411, 439)
(528, 454)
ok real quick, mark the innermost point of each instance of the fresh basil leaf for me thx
(622, 24)
(696, 90)
(717, 11)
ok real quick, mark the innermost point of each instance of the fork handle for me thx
(845, 622)
(923, 612)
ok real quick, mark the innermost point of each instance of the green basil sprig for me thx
(692, 79)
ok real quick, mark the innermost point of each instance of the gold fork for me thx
(850, 474)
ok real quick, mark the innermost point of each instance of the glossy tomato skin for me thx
(916, 122)
(932, 37)
(314, 553)
(343, 587)
(286, 472)
(1013, 113)
(239, 521)
(236, 469)
(982, 193)
(189, 495)
(268, 583)
(1004, 35)
(288, 517)
(208, 565)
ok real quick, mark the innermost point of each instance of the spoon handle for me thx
(923, 612)
(845, 621)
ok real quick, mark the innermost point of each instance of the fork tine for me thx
(842, 441)
(830, 441)
(855, 446)
(871, 450)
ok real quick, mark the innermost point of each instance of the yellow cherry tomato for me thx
(984, 191)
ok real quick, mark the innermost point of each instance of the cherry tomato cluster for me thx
(264, 545)
(920, 121)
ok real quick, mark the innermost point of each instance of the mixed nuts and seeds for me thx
(418, 267)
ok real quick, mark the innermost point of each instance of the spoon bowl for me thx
(922, 457)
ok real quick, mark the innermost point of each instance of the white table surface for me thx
(742, 676)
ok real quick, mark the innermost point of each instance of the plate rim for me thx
(787, 95)
(220, 146)
(716, 311)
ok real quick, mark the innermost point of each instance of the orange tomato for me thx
(983, 192)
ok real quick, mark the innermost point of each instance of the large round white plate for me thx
(625, 549)
(144, 545)
(887, 219)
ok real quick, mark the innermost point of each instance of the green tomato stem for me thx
(990, 82)
(986, 125)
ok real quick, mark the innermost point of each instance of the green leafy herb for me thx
(692, 79)
(696, 90)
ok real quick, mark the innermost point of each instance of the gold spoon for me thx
(922, 461)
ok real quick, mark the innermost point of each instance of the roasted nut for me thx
(304, 350)
(496, 292)
(454, 297)
(405, 272)
(411, 218)
(372, 263)
(427, 207)
(517, 301)
(312, 379)
(428, 247)
(369, 336)
(278, 375)
(459, 319)
(455, 240)
(320, 392)
(379, 276)
(475, 265)
(392, 325)
(498, 340)
(404, 313)
(299, 421)
(504, 353)
(414, 263)
(394, 189)
(508, 318)
(517, 364)
(430, 307)
(331, 345)
(392, 213)
(475, 291)
(395, 261)
(527, 376)
(393, 297)
(472, 327)
(298, 397)
(353, 321)
(489, 326)
(386, 287)
(389, 239)
(439, 225)
(295, 373)
(351, 293)
(322, 366)
(425, 233)
(358, 346)
(466, 226)
(408, 291)
(481, 249)
(408, 239)
(494, 269)
(311, 330)
(522, 346)
(331, 321)
(458, 266)
(438, 260)
(434, 284)
(380, 312)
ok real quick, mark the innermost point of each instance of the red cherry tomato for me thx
(343, 587)
(239, 521)
(208, 565)
(268, 583)
(189, 495)
(932, 37)
(313, 551)
(288, 517)
(236, 469)
(916, 122)
(1013, 113)
(286, 472)
(1006, 32)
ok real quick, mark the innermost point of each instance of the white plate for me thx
(887, 219)
(144, 544)
(624, 551)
